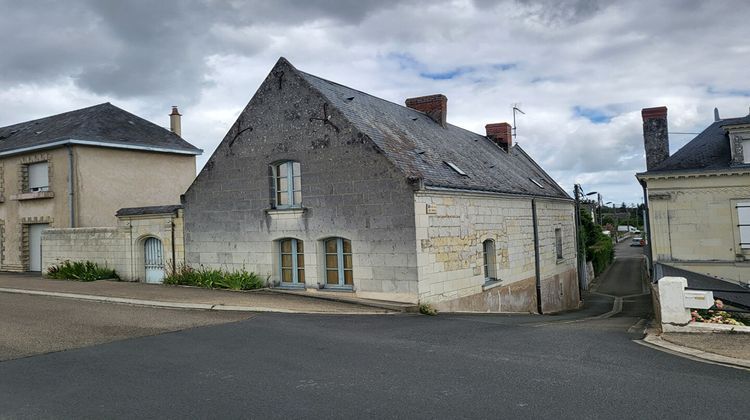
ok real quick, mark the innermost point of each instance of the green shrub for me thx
(81, 271)
(427, 309)
(601, 254)
(214, 278)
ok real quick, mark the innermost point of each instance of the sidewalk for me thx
(722, 348)
(183, 297)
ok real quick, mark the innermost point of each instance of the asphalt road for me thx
(318, 366)
(32, 325)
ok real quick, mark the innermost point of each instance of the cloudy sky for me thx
(581, 70)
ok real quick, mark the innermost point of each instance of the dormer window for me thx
(287, 184)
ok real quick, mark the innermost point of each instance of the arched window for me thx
(292, 261)
(287, 181)
(490, 270)
(338, 263)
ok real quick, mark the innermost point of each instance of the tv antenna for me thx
(516, 109)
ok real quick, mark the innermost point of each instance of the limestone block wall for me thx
(451, 229)
(120, 247)
(349, 190)
(103, 245)
(694, 224)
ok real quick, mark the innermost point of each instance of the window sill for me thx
(330, 288)
(560, 260)
(291, 286)
(33, 195)
(491, 284)
(286, 211)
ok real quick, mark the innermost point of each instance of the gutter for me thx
(494, 194)
(69, 142)
(537, 272)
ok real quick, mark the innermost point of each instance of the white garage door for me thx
(35, 246)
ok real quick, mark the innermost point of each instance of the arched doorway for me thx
(153, 260)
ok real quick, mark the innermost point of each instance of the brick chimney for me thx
(655, 135)
(175, 123)
(435, 106)
(501, 134)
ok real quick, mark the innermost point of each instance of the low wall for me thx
(674, 309)
(102, 245)
(120, 248)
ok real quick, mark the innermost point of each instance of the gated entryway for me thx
(154, 260)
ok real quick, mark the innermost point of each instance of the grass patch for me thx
(214, 278)
(81, 271)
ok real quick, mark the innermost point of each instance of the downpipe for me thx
(536, 258)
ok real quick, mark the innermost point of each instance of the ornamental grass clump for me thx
(715, 315)
(214, 278)
(81, 271)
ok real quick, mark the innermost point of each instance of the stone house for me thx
(698, 199)
(328, 189)
(77, 169)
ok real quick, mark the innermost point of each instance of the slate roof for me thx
(741, 297)
(139, 211)
(419, 146)
(709, 151)
(103, 123)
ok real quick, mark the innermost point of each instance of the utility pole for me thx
(580, 245)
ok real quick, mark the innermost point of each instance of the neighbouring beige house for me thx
(77, 169)
(327, 189)
(698, 199)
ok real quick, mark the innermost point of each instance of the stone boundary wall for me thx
(102, 245)
(120, 247)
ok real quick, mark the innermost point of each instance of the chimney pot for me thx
(501, 134)
(655, 135)
(716, 114)
(175, 121)
(435, 106)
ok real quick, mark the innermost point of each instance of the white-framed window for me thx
(743, 222)
(490, 266)
(292, 261)
(558, 243)
(338, 263)
(38, 176)
(746, 150)
(287, 184)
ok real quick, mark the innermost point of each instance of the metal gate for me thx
(154, 260)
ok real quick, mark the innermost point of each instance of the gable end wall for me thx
(349, 190)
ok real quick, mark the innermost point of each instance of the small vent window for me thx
(456, 168)
(537, 183)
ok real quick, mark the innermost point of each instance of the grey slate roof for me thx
(419, 147)
(741, 297)
(708, 151)
(103, 123)
(139, 211)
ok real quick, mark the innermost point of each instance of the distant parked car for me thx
(638, 241)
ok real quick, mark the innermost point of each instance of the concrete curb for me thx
(175, 305)
(654, 340)
(398, 307)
